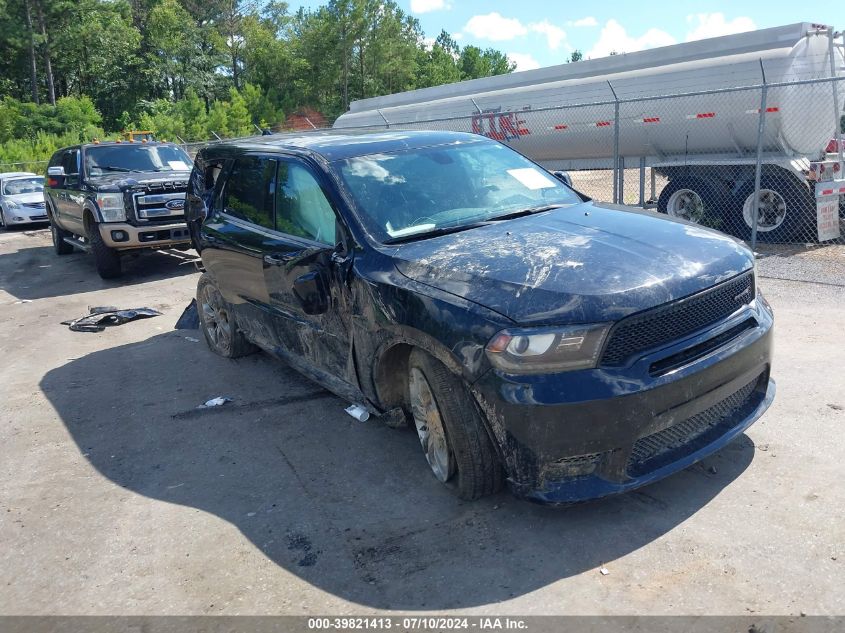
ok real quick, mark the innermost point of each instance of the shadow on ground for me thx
(348, 506)
(24, 272)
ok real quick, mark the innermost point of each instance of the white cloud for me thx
(457, 36)
(554, 35)
(494, 27)
(588, 21)
(613, 37)
(706, 25)
(523, 61)
(425, 6)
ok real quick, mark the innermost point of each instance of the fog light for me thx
(119, 236)
(17, 219)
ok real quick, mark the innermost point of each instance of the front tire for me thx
(451, 430)
(2, 220)
(218, 323)
(106, 259)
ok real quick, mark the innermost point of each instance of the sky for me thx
(536, 33)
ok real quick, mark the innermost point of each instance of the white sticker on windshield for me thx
(532, 178)
(178, 165)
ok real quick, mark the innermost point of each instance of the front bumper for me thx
(24, 215)
(581, 435)
(122, 236)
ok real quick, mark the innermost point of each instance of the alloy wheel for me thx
(430, 428)
(215, 318)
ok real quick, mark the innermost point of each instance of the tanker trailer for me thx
(702, 139)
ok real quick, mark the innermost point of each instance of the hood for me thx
(582, 264)
(28, 198)
(152, 179)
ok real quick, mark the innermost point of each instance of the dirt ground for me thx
(119, 496)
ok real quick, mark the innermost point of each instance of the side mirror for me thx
(312, 290)
(55, 176)
(564, 177)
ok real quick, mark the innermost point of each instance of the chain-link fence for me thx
(758, 161)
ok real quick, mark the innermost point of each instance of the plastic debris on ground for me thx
(358, 412)
(190, 319)
(219, 401)
(99, 317)
(604, 571)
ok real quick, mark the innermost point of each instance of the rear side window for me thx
(302, 208)
(70, 161)
(249, 190)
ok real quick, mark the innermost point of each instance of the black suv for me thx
(572, 349)
(112, 198)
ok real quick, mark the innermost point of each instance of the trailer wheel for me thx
(786, 210)
(698, 200)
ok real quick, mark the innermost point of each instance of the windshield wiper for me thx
(527, 211)
(441, 230)
(113, 168)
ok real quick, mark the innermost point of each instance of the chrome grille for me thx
(152, 206)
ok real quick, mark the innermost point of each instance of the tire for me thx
(2, 220)
(58, 234)
(789, 210)
(451, 430)
(106, 259)
(218, 323)
(700, 200)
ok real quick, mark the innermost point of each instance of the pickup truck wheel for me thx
(451, 430)
(106, 259)
(58, 234)
(218, 323)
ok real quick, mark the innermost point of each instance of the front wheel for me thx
(451, 430)
(218, 323)
(2, 220)
(106, 259)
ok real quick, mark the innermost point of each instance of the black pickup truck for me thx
(116, 197)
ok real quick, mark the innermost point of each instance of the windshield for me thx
(17, 186)
(118, 158)
(418, 191)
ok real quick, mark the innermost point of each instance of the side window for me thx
(302, 208)
(248, 193)
(70, 161)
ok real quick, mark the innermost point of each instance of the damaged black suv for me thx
(571, 349)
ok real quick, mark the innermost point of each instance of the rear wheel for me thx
(699, 200)
(58, 234)
(451, 430)
(106, 259)
(218, 323)
(786, 210)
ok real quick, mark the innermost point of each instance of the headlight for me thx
(537, 350)
(111, 207)
(11, 204)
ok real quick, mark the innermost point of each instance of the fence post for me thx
(761, 130)
(615, 145)
(642, 182)
(837, 113)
